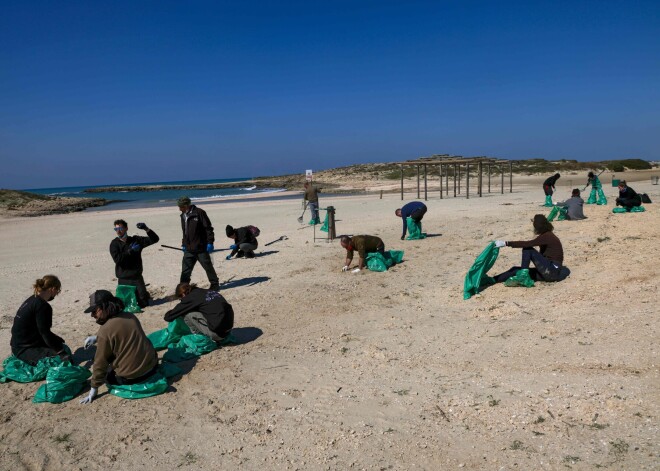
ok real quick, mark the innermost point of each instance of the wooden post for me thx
(426, 194)
(502, 176)
(417, 181)
(447, 180)
(510, 177)
(459, 179)
(467, 181)
(488, 178)
(480, 179)
(440, 166)
(401, 182)
(454, 180)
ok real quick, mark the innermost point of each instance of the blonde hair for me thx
(47, 282)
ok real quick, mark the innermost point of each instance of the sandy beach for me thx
(362, 371)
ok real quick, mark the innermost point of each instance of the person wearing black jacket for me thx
(31, 337)
(126, 251)
(628, 198)
(197, 242)
(205, 311)
(245, 243)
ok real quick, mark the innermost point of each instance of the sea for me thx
(133, 199)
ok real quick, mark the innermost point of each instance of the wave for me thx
(65, 193)
(254, 187)
(196, 198)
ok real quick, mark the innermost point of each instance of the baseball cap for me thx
(98, 297)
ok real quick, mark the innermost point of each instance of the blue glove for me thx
(135, 247)
(209, 248)
(141, 225)
(183, 248)
(228, 257)
(233, 246)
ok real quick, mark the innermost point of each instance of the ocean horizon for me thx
(156, 197)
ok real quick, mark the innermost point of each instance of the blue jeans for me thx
(545, 269)
(314, 209)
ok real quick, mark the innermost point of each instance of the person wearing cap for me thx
(31, 337)
(628, 198)
(197, 242)
(124, 354)
(548, 260)
(205, 311)
(363, 244)
(414, 210)
(245, 242)
(126, 251)
(311, 195)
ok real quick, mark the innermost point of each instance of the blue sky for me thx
(119, 92)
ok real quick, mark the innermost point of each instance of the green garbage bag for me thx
(563, 212)
(548, 201)
(21, 372)
(189, 346)
(172, 334)
(127, 294)
(63, 383)
(592, 196)
(476, 277)
(414, 229)
(152, 386)
(553, 213)
(324, 227)
(601, 197)
(521, 278)
(378, 262)
(619, 210)
(637, 209)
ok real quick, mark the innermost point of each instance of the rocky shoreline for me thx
(25, 204)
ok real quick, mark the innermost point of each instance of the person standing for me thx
(126, 251)
(197, 242)
(574, 205)
(414, 210)
(124, 354)
(312, 197)
(31, 337)
(628, 198)
(597, 196)
(548, 187)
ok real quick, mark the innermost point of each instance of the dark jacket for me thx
(550, 181)
(128, 264)
(548, 243)
(215, 309)
(197, 230)
(245, 236)
(32, 325)
(631, 194)
(364, 244)
(407, 210)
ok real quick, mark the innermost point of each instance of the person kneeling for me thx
(204, 311)
(124, 354)
(548, 261)
(245, 242)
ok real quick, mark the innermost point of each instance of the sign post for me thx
(308, 175)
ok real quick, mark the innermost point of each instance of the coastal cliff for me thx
(23, 203)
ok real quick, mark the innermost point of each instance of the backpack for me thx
(254, 230)
(645, 198)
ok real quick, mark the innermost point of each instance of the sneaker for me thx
(240, 254)
(249, 254)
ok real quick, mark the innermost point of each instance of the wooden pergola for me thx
(458, 164)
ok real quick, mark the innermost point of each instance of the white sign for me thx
(308, 175)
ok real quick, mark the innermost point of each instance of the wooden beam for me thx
(467, 181)
(417, 181)
(401, 182)
(441, 166)
(426, 194)
(510, 177)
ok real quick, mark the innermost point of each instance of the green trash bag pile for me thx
(189, 346)
(63, 383)
(521, 278)
(634, 209)
(414, 229)
(21, 372)
(476, 277)
(171, 334)
(376, 261)
(128, 295)
(154, 385)
(558, 212)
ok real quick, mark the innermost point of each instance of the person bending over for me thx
(415, 210)
(124, 354)
(548, 261)
(549, 184)
(628, 198)
(205, 311)
(31, 337)
(364, 244)
(126, 251)
(245, 243)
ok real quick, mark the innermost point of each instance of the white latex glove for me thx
(344, 268)
(355, 270)
(90, 397)
(500, 243)
(89, 341)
